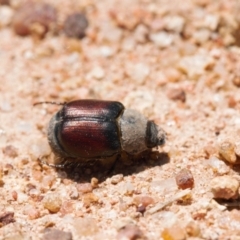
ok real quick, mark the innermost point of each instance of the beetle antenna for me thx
(53, 103)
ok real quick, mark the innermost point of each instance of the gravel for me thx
(175, 62)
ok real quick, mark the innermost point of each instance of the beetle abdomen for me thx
(86, 129)
(89, 139)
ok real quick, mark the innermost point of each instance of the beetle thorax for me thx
(133, 129)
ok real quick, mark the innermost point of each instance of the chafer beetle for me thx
(97, 129)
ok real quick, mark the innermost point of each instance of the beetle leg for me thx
(109, 162)
(42, 162)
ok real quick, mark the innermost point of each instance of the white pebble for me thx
(224, 187)
(97, 72)
(140, 33)
(201, 36)
(162, 39)
(24, 127)
(195, 66)
(146, 99)
(128, 44)
(218, 165)
(138, 72)
(174, 23)
(86, 226)
(109, 33)
(165, 186)
(6, 15)
(167, 218)
(106, 51)
(39, 148)
(73, 58)
(21, 197)
(211, 21)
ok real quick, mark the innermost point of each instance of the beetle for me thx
(97, 129)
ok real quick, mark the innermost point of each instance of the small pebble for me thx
(24, 127)
(104, 36)
(128, 189)
(142, 202)
(10, 151)
(145, 97)
(193, 229)
(177, 94)
(14, 195)
(34, 18)
(125, 19)
(74, 193)
(48, 181)
(97, 72)
(116, 179)
(184, 179)
(89, 198)
(174, 23)
(138, 72)
(73, 45)
(196, 65)
(50, 234)
(85, 226)
(164, 186)
(224, 187)
(129, 232)
(214, 204)
(236, 80)
(6, 16)
(6, 218)
(141, 33)
(67, 208)
(106, 51)
(75, 25)
(22, 197)
(226, 150)
(8, 168)
(39, 148)
(171, 74)
(52, 202)
(84, 188)
(210, 149)
(162, 39)
(33, 192)
(218, 166)
(94, 182)
(201, 36)
(211, 22)
(232, 101)
(32, 212)
(38, 176)
(199, 214)
(175, 232)
(123, 206)
(29, 187)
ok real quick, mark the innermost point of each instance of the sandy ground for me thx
(178, 63)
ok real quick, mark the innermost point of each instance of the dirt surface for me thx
(176, 62)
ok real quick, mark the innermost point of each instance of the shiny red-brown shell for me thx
(88, 129)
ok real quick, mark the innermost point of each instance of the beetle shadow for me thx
(120, 164)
